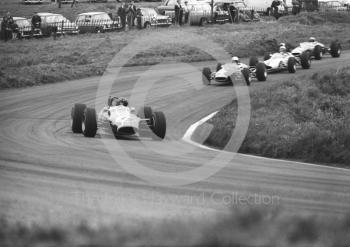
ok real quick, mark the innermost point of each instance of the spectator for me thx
(122, 15)
(232, 12)
(130, 15)
(139, 18)
(296, 6)
(177, 11)
(274, 7)
(59, 3)
(181, 13)
(186, 11)
(74, 2)
(7, 23)
(134, 12)
(36, 20)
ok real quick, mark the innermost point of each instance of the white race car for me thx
(280, 61)
(121, 119)
(317, 50)
(230, 71)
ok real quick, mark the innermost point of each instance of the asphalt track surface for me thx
(50, 175)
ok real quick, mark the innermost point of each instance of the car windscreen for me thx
(100, 17)
(22, 23)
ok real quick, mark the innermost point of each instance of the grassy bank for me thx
(35, 62)
(248, 227)
(305, 119)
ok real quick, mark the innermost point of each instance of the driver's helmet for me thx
(119, 101)
(312, 39)
(283, 49)
(123, 101)
(235, 59)
(282, 44)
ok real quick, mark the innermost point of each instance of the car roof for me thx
(18, 18)
(46, 14)
(92, 13)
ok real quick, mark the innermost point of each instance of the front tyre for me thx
(291, 64)
(146, 112)
(77, 115)
(218, 67)
(261, 73)
(206, 74)
(246, 75)
(318, 52)
(158, 125)
(89, 125)
(335, 49)
(305, 60)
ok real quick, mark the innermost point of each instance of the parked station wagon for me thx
(56, 23)
(148, 17)
(96, 22)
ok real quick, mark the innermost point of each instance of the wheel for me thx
(318, 52)
(246, 75)
(77, 115)
(147, 25)
(291, 64)
(261, 73)
(206, 73)
(335, 49)
(253, 61)
(203, 22)
(218, 67)
(146, 112)
(158, 125)
(89, 126)
(305, 60)
(267, 56)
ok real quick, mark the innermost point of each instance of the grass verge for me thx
(35, 62)
(304, 119)
(239, 227)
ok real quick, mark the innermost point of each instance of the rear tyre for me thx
(261, 73)
(267, 56)
(206, 73)
(218, 67)
(253, 61)
(158, 125)
(89, 125)
(77, 115)
(318, 52)
(335, 49)
(291, 64)
(305, 60)
(246, 75)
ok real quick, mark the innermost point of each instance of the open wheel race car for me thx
(228, 72)
(283, 61)
(121, 119)
(317, 50)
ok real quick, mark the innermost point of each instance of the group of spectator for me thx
(181, 11)
(9, 26)
(127, 13)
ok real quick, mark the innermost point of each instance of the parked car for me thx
(96, 22)
(333, 5)
(148, 17)
(56, 23)
(24, 28)
(32, 1)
